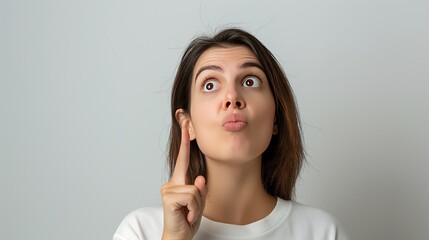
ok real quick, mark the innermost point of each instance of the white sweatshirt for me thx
(288, 220)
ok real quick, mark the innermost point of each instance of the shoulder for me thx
(311, 214)
(143, 223)
(314, 221)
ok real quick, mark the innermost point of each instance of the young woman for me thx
(235, 151)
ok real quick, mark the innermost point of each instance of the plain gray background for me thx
(84, 108)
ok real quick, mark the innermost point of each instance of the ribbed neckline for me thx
(264, 225)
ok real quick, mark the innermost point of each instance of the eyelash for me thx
(208, 77)
(205, 80)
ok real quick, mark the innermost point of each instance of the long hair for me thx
(282, 160)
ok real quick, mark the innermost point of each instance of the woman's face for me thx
(232, 108)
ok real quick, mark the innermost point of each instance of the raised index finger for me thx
(182, 161)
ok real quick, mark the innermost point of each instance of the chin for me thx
(232, 157)
(231, 150)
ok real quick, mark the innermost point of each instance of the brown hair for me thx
(282, 160)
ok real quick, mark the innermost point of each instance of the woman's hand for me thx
(183, 204)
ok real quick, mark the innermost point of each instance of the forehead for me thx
(229, 55)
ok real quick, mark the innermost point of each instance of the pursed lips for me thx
(234, 123)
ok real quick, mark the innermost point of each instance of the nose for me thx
(230, 104)
(233, 99)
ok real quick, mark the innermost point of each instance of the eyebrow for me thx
(209, 67)
(217, 68)
(252, 64)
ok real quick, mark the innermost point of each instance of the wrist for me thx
(167, 236)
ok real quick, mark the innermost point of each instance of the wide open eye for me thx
(252, 81)
(210, 86)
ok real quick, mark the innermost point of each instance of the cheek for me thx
(264, 116)
(205, 122)
(205, 130)
(203, 116)
(265, 119)
(263, 108)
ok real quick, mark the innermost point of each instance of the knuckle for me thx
(191, 197)
(195, 191)
(164, 189)
(192, 200)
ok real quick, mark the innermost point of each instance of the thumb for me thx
(200, 183)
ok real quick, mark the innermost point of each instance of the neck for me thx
(235, 192)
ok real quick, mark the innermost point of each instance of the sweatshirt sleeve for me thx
(141, 224)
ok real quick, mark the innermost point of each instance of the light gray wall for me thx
(84, 107)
